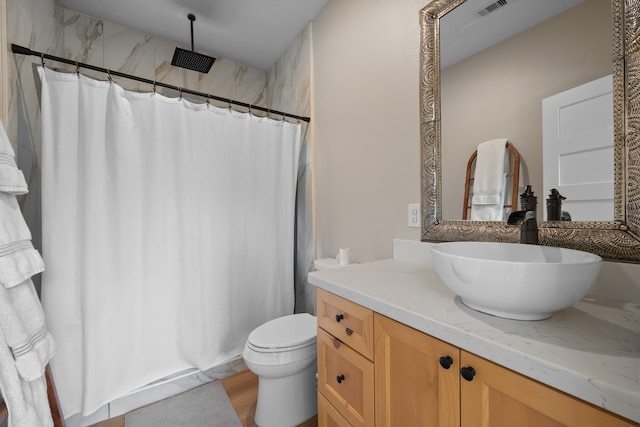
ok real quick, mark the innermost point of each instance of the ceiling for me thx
(252, 32)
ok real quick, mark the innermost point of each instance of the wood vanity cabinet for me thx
(422, 381)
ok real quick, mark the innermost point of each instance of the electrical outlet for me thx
(414, 215)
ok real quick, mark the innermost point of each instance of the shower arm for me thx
(192, 18)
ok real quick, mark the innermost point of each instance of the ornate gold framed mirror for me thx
(613, 240)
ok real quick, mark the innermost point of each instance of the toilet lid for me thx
(289, 331)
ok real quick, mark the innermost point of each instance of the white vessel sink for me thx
(515, 281)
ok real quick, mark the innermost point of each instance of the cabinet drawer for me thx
(349, 322)
(345, 379)
(328, 416)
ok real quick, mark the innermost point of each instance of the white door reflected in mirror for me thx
(578, 149)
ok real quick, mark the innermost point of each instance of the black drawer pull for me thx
(446, 362)
(339, 317)
(468, 373)
(340, 378)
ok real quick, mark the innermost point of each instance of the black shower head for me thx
(190, 59)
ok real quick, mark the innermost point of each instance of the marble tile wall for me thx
(289, 90)
(289, 79)
(109, 45)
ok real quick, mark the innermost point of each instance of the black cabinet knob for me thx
(446, 362)
(339, 317)
(468, 373)
(340, 378)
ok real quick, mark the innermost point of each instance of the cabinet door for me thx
(412, 388)
(497, 396)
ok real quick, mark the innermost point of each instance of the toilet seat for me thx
(286, 333)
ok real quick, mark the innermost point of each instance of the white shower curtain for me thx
(168, 233)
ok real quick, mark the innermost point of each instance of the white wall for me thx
(367, 142)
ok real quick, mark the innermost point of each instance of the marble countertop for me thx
(590, 350)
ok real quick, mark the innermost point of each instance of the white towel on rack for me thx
(11, 178)
(22, 324)
(26, 401)
(487, 202)
(19, 260)
(26, 346)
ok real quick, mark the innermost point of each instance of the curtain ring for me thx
(230, 106)
(208, 98)
(154, 87)
(180, 89)
(109, 76)
(77, 69)
(42, 58)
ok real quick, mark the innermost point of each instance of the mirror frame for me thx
(613, 240)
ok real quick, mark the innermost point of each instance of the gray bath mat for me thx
(204, 406)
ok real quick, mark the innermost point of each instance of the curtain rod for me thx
(26, 51)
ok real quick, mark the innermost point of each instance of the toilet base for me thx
(288, 401)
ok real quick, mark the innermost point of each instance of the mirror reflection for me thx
(512, 74)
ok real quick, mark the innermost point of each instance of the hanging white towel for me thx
(26, 401)
(26, 346)
(18, 258)
(23, 326)
(487, 202)
(11, 178)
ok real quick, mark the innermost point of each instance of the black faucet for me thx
(526, 218)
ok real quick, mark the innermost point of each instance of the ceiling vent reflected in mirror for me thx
(493, 7)
(476, 25)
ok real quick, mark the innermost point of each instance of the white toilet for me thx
(282, 353)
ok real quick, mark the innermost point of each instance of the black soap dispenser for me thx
(528, 201)
(554, 205)
(529, 228)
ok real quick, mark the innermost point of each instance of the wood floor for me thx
(242, 389)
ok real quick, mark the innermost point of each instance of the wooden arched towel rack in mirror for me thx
(512, 176)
